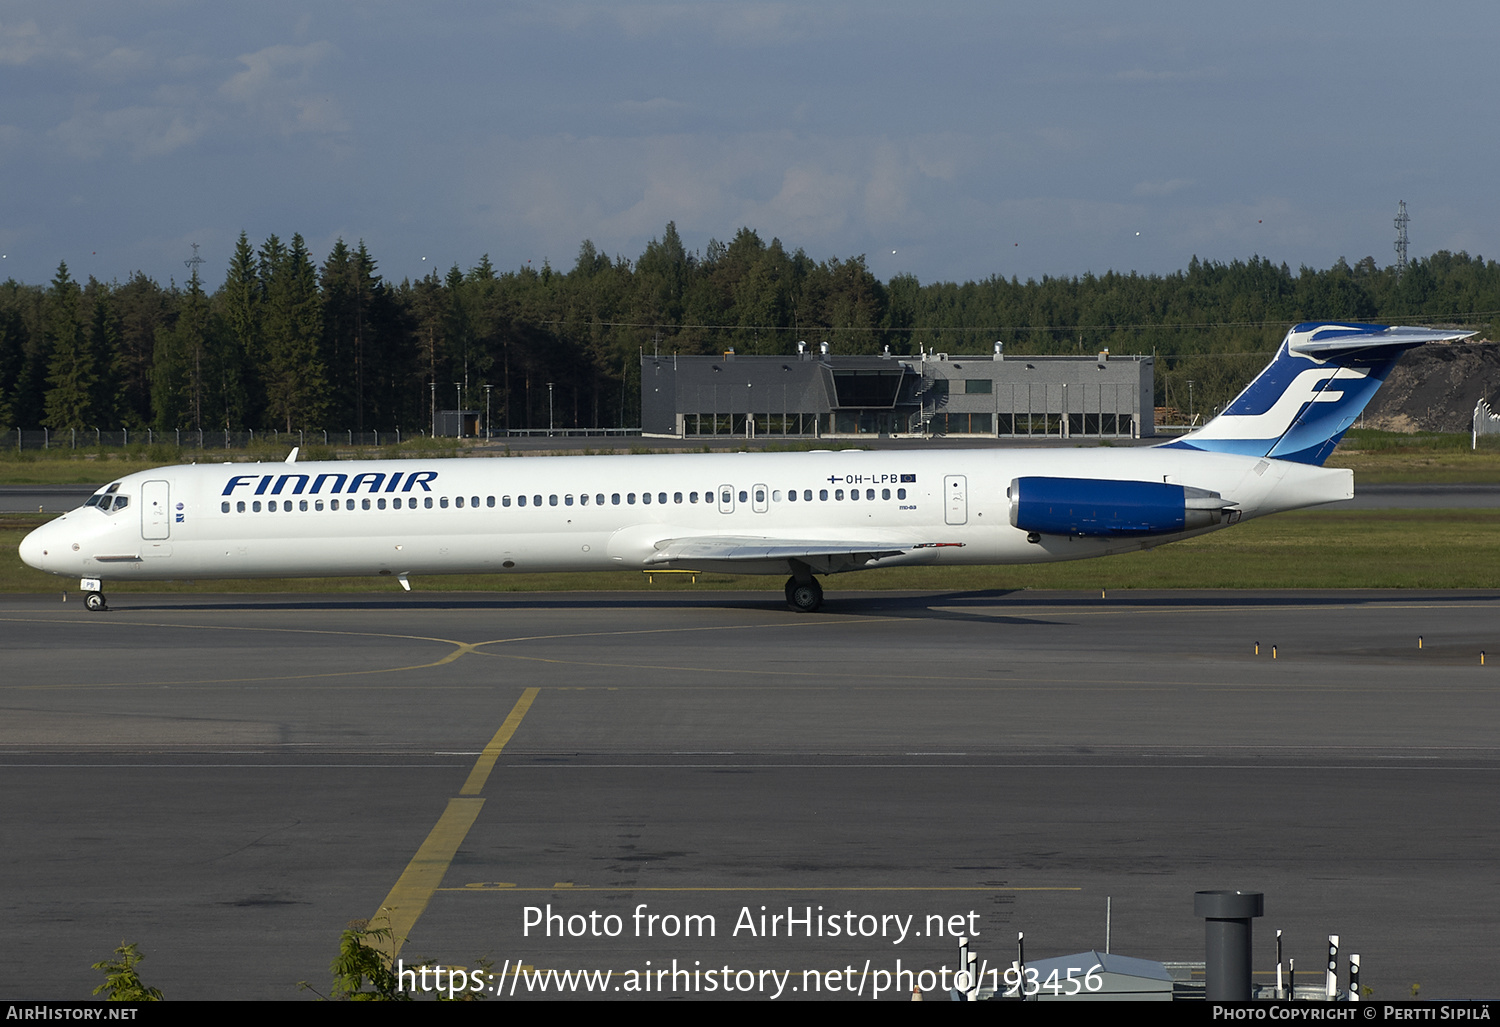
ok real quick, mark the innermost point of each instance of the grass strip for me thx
(1310, 549)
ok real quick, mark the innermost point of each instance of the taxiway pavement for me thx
(229, 780)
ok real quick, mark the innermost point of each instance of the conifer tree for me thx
(72, 370)
(295, 378)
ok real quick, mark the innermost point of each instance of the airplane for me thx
(802, 514)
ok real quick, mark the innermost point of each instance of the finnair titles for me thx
(798, 514)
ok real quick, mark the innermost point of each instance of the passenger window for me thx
(726, 498)
(365, 504)
(505, 501)
(380, 502)
(646, 498)
(334, 504)
(255, 507)
(317, 504)
(567, 500)
(426, 501)
(271, 506)
(615, 498)
(520, 500)
(900, 493)
(677, 497)
(536, 500)
(302, 504)
(459, 502)
(551, 500)
(474, 502)
(760, 495)
(442, 502)
(239, 507)
(489, 501)
(807, 495)
(838, 493)
(630, 498)
(599, 499)
(744, 496)
(661, 497)
(885, 493)
(791, 495)
(823, 494)
(869, 493)
(224, 506)
(583, 500)
(692, 497)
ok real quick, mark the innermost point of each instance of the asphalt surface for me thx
(228, 780)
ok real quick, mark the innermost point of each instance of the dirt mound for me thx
(1434, 388)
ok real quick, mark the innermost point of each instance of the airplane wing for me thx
(747, 549)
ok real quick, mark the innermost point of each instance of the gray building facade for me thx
(821, 395)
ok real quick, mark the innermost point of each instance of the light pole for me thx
(433, 386)
(550, 422)
(458, 390)
(486, 412)
(1190, 401)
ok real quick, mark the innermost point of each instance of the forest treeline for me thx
(283, 343)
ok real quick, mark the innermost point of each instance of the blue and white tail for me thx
(1299, 407)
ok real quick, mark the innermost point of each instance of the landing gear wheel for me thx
(805, 596)
(94, 602)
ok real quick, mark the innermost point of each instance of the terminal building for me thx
(821, 395)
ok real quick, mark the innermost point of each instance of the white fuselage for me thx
(452, 516)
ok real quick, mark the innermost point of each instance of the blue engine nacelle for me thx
(1102, 508)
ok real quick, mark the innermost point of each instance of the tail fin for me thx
(1299, 407)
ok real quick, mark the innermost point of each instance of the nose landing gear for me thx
(93, 594)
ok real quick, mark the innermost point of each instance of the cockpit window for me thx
(106, 501)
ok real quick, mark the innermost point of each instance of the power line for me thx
(1462, 316)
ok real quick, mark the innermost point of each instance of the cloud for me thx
(1153, 75)
(142, 131)
(835, 194)
(275, 86)
(21, 44)
(1161, 188)
(732, 24)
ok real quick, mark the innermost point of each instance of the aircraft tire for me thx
(94, 602)
(804, 598)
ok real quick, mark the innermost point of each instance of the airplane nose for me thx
(35, 549)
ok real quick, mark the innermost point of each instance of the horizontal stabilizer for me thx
(1329, 341)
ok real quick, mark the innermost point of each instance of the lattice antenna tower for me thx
(192, 264)
(1401, 220)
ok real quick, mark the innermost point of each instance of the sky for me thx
(950, 141)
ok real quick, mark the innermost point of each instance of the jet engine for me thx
(1103, 508)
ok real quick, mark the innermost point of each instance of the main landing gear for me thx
(804, 596)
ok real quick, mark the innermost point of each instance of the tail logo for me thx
(1315, 385)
